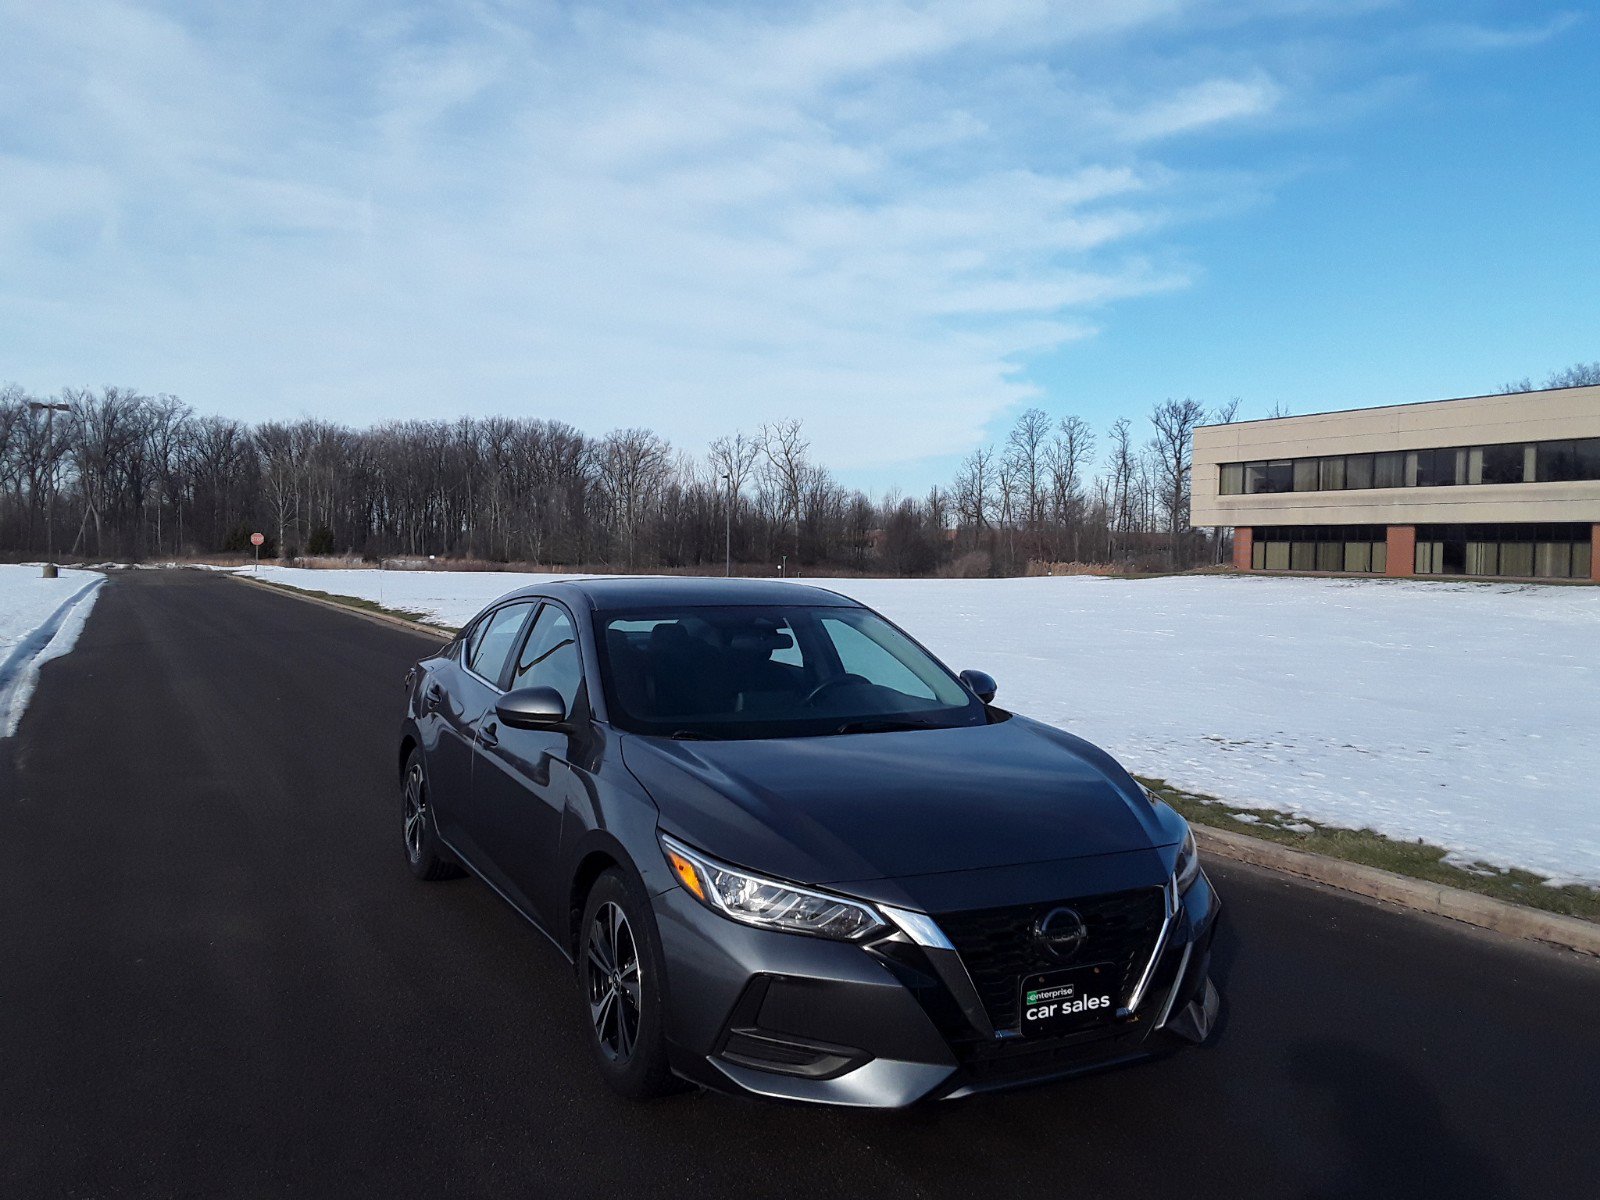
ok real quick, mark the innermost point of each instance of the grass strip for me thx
(1417, 859)
(356, 602)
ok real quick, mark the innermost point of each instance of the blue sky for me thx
(900, 222)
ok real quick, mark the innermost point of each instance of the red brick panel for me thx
(1244, 543)
(1402, 550)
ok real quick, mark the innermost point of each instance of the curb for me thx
(429, 631)
(1569, 933)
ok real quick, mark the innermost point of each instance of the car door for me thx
(460, 701)
(523, 779)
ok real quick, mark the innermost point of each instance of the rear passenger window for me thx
(492, 641)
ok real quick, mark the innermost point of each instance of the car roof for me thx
(619, 592)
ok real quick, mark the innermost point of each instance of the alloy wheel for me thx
(416, 810)
(614, 982)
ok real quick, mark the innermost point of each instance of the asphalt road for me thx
(217, 978)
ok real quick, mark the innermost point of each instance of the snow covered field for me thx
(40, 619)
(1464, 714)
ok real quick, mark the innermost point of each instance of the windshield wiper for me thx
(689, 735)
(882, 726)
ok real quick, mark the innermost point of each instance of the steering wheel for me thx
(827, 685)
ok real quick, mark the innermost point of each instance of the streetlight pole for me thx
(50, 411)
(727, 532)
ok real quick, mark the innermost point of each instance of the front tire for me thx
(620, 970)
(423, 853)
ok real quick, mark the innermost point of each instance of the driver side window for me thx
(550, 657)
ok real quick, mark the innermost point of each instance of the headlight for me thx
(1187, 868)
(766, 903)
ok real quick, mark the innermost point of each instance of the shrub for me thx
(974, 564)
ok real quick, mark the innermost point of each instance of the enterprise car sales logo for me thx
(1060, 933)
(1062, 1000)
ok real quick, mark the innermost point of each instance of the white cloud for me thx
(865, 214)
(1470, 36)
(1199, 106)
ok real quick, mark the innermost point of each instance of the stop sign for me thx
(257, 538)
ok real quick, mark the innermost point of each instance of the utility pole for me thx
(50, 411)
(727, 551)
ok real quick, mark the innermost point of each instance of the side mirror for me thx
(982, 686)
(532, 708)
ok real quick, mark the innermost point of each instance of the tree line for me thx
(113, 473)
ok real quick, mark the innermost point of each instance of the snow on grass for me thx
(40, 619)
(1465, 714)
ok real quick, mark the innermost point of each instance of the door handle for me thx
(489, 735)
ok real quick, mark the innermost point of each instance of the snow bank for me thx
(40, 620)
(1465, 714)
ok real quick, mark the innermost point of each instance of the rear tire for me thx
(424, 855)
(620, 973)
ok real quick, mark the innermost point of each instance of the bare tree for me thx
(633, 467)
(732, 460)
(788, 465)
(1066, 459)
(281, 475)
(1025, 452)
(973, 488)
(1120, 492)
(1577, 375)
(1175, 422)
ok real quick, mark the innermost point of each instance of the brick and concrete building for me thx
(1505, 486)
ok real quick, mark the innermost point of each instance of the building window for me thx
(1511, 462)
(1552, 560)
(1498, 464)
(1516, 559)
(1330, 548)
(1388, 470)
(1586, 455)
(1544, 551)
(1435, 468)
(1556, 462)
(1483, 558)
(1559, 462)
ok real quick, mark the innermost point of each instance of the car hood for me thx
(861, 807)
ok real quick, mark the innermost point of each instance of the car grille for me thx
(997, 946)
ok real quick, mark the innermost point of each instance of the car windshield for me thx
(772, 672)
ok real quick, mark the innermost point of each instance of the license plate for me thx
(1057, 1002)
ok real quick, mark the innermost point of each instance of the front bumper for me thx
(891, 1022)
